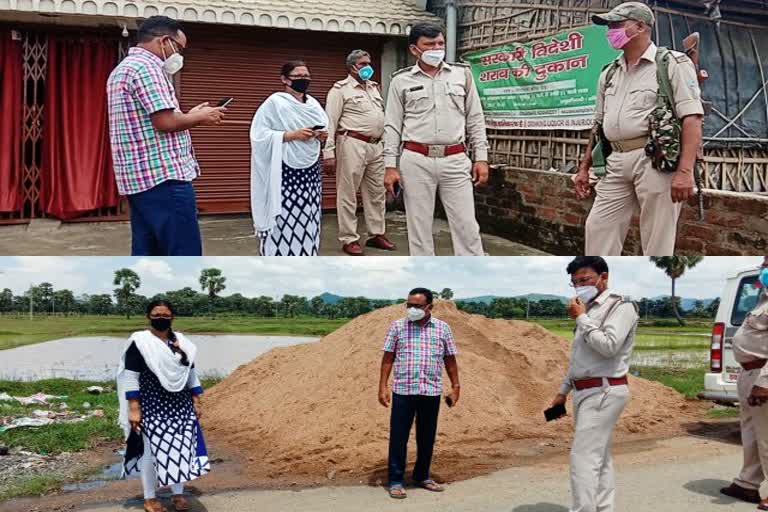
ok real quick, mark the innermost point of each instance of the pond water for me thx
(95, 358)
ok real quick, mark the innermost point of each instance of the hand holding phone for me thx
(397, 189)
(225, 101)
(318, 127)
(448, 401)
(555, 412)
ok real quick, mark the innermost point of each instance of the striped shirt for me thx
(419, 353)
(142, 156)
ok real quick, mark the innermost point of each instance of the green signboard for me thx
(543, 85)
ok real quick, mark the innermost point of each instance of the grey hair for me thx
(355, 55)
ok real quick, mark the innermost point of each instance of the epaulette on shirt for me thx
(460, 64)
(401, 70)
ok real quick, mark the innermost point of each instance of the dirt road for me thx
(677, 474)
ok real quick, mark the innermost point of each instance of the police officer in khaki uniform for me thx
(431, 108)
(600, 353)
(750, 348)
(623, 109)
(355, 111)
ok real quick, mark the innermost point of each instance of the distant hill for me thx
(686, 303)
(330, 298)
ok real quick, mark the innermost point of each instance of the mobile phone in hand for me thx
(397, 189)
(225, 101)
(318, 127)
(555, 412)
(449, 401)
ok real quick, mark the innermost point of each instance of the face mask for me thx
(764, 277)
(433, 57)
(160, 324)
(618, 38)
(172, 64)
(586, 293)
(416, 314)
(365, 72)
(300, 85)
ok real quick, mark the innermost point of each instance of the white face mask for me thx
(433, 57)
(586, 293)
(172, 64)
(416, 314)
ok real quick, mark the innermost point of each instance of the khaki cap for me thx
(627, 11)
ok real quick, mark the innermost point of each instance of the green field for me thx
(18, 331)
(652, 334)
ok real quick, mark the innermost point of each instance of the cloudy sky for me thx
(375, 277)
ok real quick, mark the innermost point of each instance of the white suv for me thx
(739, 298)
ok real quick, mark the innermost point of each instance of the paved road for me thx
(682, 474)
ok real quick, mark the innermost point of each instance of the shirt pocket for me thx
(458, 96)
(356, 103)
(641, 99)
(418, 102)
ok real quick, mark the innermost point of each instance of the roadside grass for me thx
(61, 437)
(31, 486)
(16, 331)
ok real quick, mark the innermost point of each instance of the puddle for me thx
(95, 358)
(108, 473)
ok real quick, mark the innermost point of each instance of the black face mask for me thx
(160, 324)
(300, 84)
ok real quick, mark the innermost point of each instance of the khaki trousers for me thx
(754, 434)
(359, 166)
(631, 182)
(596, 412)
(422, 178)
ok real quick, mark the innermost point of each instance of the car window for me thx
(746, 299)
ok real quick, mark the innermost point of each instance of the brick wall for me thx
(540, 209)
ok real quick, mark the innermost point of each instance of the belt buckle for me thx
(436, 151)
(618, 147)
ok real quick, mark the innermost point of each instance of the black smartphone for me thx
(318, 127)
(397, 189)
(224, 102)
(553, 413)
(448, 401)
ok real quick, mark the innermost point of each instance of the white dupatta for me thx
(161, 361)
(280, 113)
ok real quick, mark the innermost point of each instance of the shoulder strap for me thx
(611, 67)
(663, 55)
(618, 302)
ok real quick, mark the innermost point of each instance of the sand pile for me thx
(311, 410)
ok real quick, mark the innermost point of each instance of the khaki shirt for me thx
(751, 340)
(603, 340)
(442, 110)
(625, 105)
(353, 106)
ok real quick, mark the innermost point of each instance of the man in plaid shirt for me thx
(151, 147)
(417, 347)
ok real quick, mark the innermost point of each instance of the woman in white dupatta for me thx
(286, 185)
(159, 393)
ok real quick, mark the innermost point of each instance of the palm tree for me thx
(675, 267)
(212, 281)
(127, 282)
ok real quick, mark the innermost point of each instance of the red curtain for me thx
(11, 98)
(76, 170)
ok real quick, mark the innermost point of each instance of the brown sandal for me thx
(154, 506)
(180, 503)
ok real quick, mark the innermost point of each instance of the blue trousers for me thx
(404, 408)
(164, 221)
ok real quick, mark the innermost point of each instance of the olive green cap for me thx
(627, 11)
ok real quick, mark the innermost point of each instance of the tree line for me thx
(43, 299)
